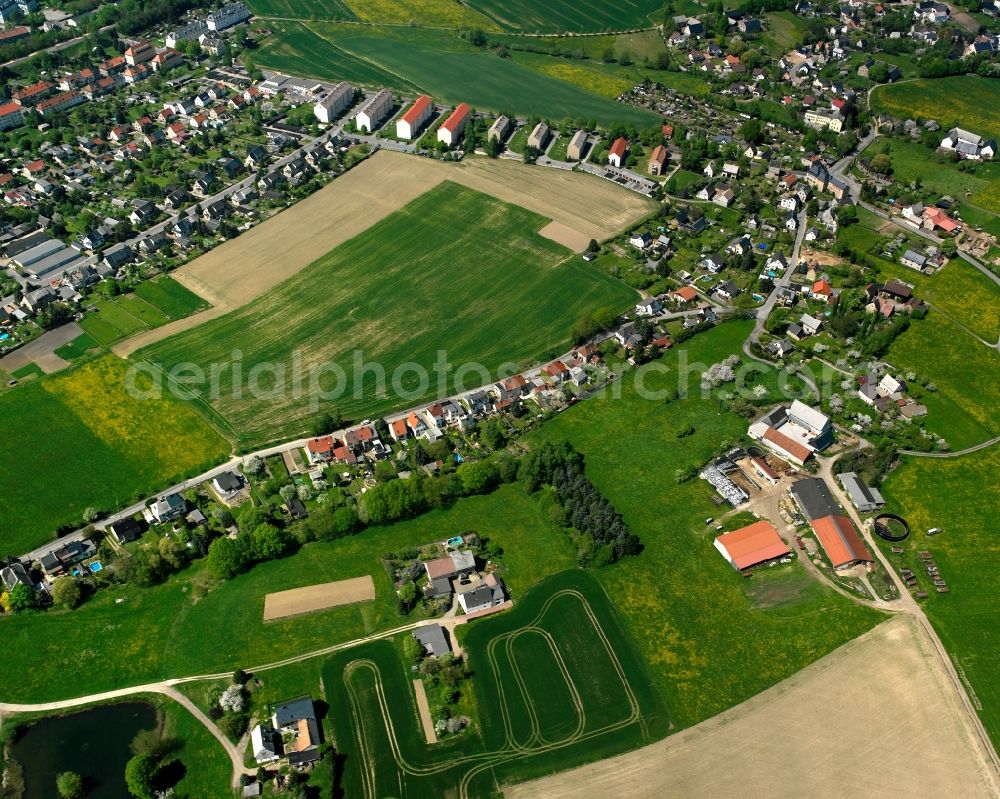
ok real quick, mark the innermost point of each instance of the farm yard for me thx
(127, 641)
(454, 270)
(788, 740)
(439, 64)
(591, 16)
(707, 643)
(968, 101)
(955, 494)
(555, 676)
(108, 449)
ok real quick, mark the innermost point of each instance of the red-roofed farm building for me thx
(751, 545)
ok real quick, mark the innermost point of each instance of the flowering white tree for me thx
(253, 466)
(232, 699)
(305, 493)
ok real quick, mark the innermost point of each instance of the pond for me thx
(93, 743)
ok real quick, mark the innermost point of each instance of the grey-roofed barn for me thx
(814, 498)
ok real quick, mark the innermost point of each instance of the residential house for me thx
(409, 125)
(539, 136)
(500, 130)
(618, 152)
(451, 130)
(126, 530)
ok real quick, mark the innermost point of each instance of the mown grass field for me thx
(79, 439)
(957, 495)
(785, 30)
(590, 16)
(968, 101)
(154, 303)
(77, 348)
(965, 409)
(173, 629)
(303, 9)
(706, 642)
(439, 64)
(556, 680)
(454, 270)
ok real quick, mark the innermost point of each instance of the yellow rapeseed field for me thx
(165, 432)
(431, 13)
(590, 79)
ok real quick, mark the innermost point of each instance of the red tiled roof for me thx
(686, 293)
(321, 446)
(822, 287)
(840, 540)
(555, 368)
(753, 544)
(399, 428)
(9, 108)
(792, 447)
(458, 117)
(619, 147)
(659, 155)
(418, 108)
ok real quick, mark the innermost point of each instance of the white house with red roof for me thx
(411, 122)
(618, 151)
(453, 127)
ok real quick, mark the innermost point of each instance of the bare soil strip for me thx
(311, 598)
(565, 235)
(582, 207)
(424, 711)
(881, 706)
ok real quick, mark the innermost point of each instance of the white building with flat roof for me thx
(328, 108)
(374, 111)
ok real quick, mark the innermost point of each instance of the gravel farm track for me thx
(880, 706)
(244, 268)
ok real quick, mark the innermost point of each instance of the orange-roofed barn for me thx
(841, 541)
(748, 546)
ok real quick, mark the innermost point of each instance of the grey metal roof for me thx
(814, 498)
(292, 710)
(433, 638)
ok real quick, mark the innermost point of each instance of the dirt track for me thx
(243, 268)
(310, 598)
(880, 712)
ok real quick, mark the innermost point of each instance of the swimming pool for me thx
(458, 458)
(96, 566)
(758, 297)
(456, 541)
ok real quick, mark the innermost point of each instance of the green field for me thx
(78, 440)
(77, 348)
(590, 16)
(169, 296)
(296, 49)
(303, 9)
(440, 65)
(957, 495)
(965, 409)
(968, 101)
(708, 644)
(785, 30)
(960, 291)
(173, 629)
(557, 683)
(454, 270)
(154, 303)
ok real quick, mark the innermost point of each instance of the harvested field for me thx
(248, 266)
(795, 738)
(321, 596)
(566, 236)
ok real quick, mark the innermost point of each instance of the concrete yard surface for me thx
(877, 717)
(310, 598)
(42, 350)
